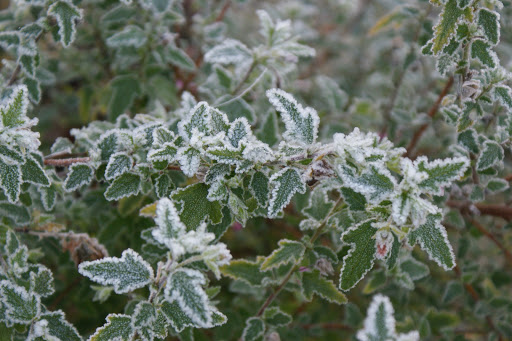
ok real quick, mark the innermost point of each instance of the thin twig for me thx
(223, 11)
(494, 210)
(245, 78)
(66, 162)
(431, 113)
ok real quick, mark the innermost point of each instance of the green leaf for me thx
(468, 139)
(179, 58)
(360, 259)
(169, 225)
(41, 282)
(503, 94)
(131, 35)
(441, 173)
(118, 327)
(67, 15)
(10, 156)
(254, 329)
(285, 184)
(319, 204)
(163, 186)
(175, 315)
(59, 328)
(10, 181)
(32, 172)
(189, 159)
(185, 287)
(19, 214)
(119, 163)
(125, 274)
(80, 174)
(124, 90)
(165, 153)
(433, 239)
(230, 51)
(276, 317)
(489, 21)
(33, 88)
(143, 318)
(125, 185)
(301, 123)
(497, 185)
(492, 155)
(269, 131)
(414, 268)
(314, 283)
(374, 183)
(21, 306)
(355, 201)
(48, 197)
(449, 20)
(288, 251)
(244, 270)
(393, 253)
(481, 51)
(195, 207)
(14, 112)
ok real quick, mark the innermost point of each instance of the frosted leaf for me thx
(489, 22)
(118, 327)
(285, 184)
(166, 153)
(365, 147)
(162, 135)
(380, 322)
(131, 35)
(11, 156)
(219, 121)
(260, 188)
(32, 172)
(257, 151)
(375, 183)
(62, 145)
(168, 222)
(217, 191)
(18, 260)
(67, 14)
(163, 185)
(177, 318)
(215, 256)
(125, 274)
(108, 144)
(125, 185)
(239, 131)
(185, 287)
(56, 328)
(143, 317)
(361, 256)
(288, 251)
(492, 154)
(314, 283)
(301, 123)
(20, 305)
(433, 239)
(41, 281)
(180, 58)
(118, 164)
(216, 172)
(226, 155)
(48, 197)
(230, 51)
(10, 181)
(481, 51)
(198, 118)
(503, 94)
(440, 173)
(254, 329)
(189, 160)
(14, 111)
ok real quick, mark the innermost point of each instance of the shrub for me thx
(164, 174)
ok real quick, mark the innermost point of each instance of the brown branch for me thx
(223, 11)
(488, 234)
(494, 210)
(14, 75)
(66, 162)
(431, 113)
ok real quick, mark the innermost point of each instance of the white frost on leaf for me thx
(301, 123)
(125, 274)
(230, 51)
(380, 323)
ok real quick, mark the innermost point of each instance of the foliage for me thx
(194, 192)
